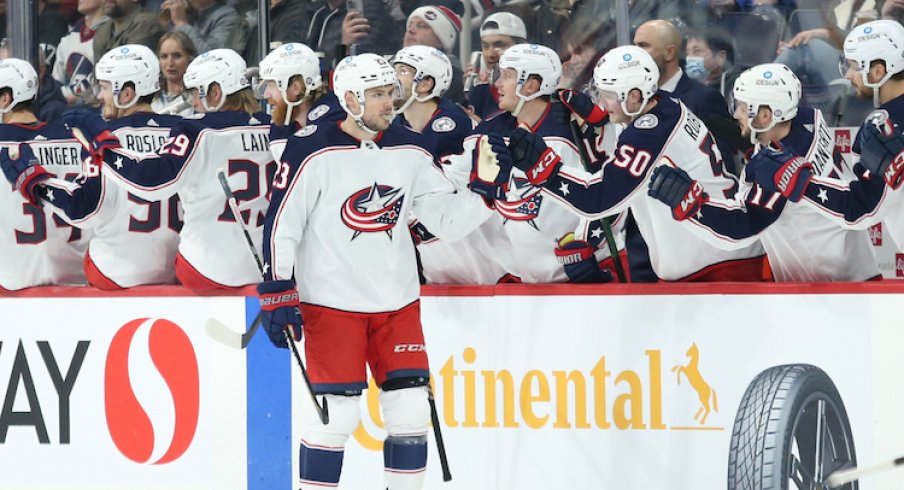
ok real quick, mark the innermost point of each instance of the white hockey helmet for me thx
(532, 59)
(624, 69)
(879, 40)
(427, 62)
(771, 85)
(20, 77)
(221, 66)
(356, 74)
(129, 63)
(288, 61)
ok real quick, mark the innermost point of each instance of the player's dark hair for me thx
(24, 106)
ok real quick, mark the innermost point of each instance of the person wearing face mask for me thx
(709, 56)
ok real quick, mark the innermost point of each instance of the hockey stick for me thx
(840, 478)
(438, 435)
(322, 410)
(607, 228)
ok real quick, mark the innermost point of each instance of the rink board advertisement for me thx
(534, 392)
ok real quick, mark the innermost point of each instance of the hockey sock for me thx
(405, 459)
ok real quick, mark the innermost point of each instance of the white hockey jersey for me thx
(124, 223)
(338, 218)
(210, 241)
(74, 65)
(668, 134)
(803, 245)
(40, 249)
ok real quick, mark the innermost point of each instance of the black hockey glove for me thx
(882, 151)
(533, 157)
(280, 311)
(675, 188)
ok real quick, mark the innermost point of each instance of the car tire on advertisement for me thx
(791, 431)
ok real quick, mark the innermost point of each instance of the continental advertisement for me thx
(533, 391)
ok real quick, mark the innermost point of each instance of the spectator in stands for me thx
(662, 40)
(211, 24)
(813, 54)
(52, 26)
(174, 52)
(438, 27)
(289, 20)
(130, 25)
(334, 30)
(709, 55)
(498, 32)
(74, 64)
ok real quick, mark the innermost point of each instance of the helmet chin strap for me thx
(124, 106)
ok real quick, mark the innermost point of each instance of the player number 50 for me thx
(633, 160)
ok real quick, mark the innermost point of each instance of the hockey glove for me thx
(491, 168)
(279, 311)
(882, 152)
(576, 256)
(531, 155)
(580, 104)
(780, 170)
(88, 121)
(675, 188)
(95, 130)
(23, 172)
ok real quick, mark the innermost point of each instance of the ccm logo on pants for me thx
(409, 348)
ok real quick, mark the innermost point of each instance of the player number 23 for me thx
(282, 176)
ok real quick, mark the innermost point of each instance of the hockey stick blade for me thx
(225, 335)
(843, 477)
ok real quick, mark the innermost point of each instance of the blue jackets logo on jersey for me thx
(525, 209)
(373, 209)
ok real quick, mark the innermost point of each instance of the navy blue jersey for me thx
(484, 99)
(445, 133)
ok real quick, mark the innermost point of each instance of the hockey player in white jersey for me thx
(228, 134)
(801, 243)
(291, 83)
(337, 225)
(660, 130)
(129, 77)
(424, 74)
(530, 74)
(875, 67)
(39, 249)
